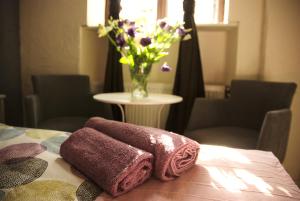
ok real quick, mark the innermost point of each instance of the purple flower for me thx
(165, 68)
(168, 27)
(162, 24)
(145, 41)
(126, 21)
(120, 24)
(181, 32)
(131, 32)
(120, 41)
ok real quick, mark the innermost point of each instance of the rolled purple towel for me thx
(173, 153)
(113, 165)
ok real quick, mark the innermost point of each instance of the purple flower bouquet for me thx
(140, 48)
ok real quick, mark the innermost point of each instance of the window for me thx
(174, 11)
(95, 12)
(143, 10)
(148, 11)
(206, 11)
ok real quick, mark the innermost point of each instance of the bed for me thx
(32, 169)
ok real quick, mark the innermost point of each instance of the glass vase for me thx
(139, 80)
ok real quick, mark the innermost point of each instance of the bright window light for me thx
(226, 12)
(144, 11)
(206, 11)
(175, 11)
(95, 12)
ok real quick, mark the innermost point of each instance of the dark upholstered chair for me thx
(62, 102)
(255, 116)
(2, 111)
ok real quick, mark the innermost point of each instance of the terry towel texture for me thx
(113, 165)
(173, 153)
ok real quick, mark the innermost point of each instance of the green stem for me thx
(114, 44)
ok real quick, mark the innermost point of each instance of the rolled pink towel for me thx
(173, 153)
(113, 165)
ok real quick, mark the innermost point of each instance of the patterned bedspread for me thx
(31, 169)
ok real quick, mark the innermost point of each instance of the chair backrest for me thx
(252, 99)
(62, 95)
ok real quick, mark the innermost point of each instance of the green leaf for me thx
(108, 29)
(130, 60)
(160, 55)
(124, 60)
(102, 31)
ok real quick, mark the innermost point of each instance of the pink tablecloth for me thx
(223, 174)
(220, 174)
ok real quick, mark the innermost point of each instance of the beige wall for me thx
(282, 63)
(218, 46)
(213, 53)
(50, 37)
(92, 56)
(249, 15)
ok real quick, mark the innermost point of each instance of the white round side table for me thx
(124, 98)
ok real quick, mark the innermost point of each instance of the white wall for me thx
(50, 37)
(282, 63)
